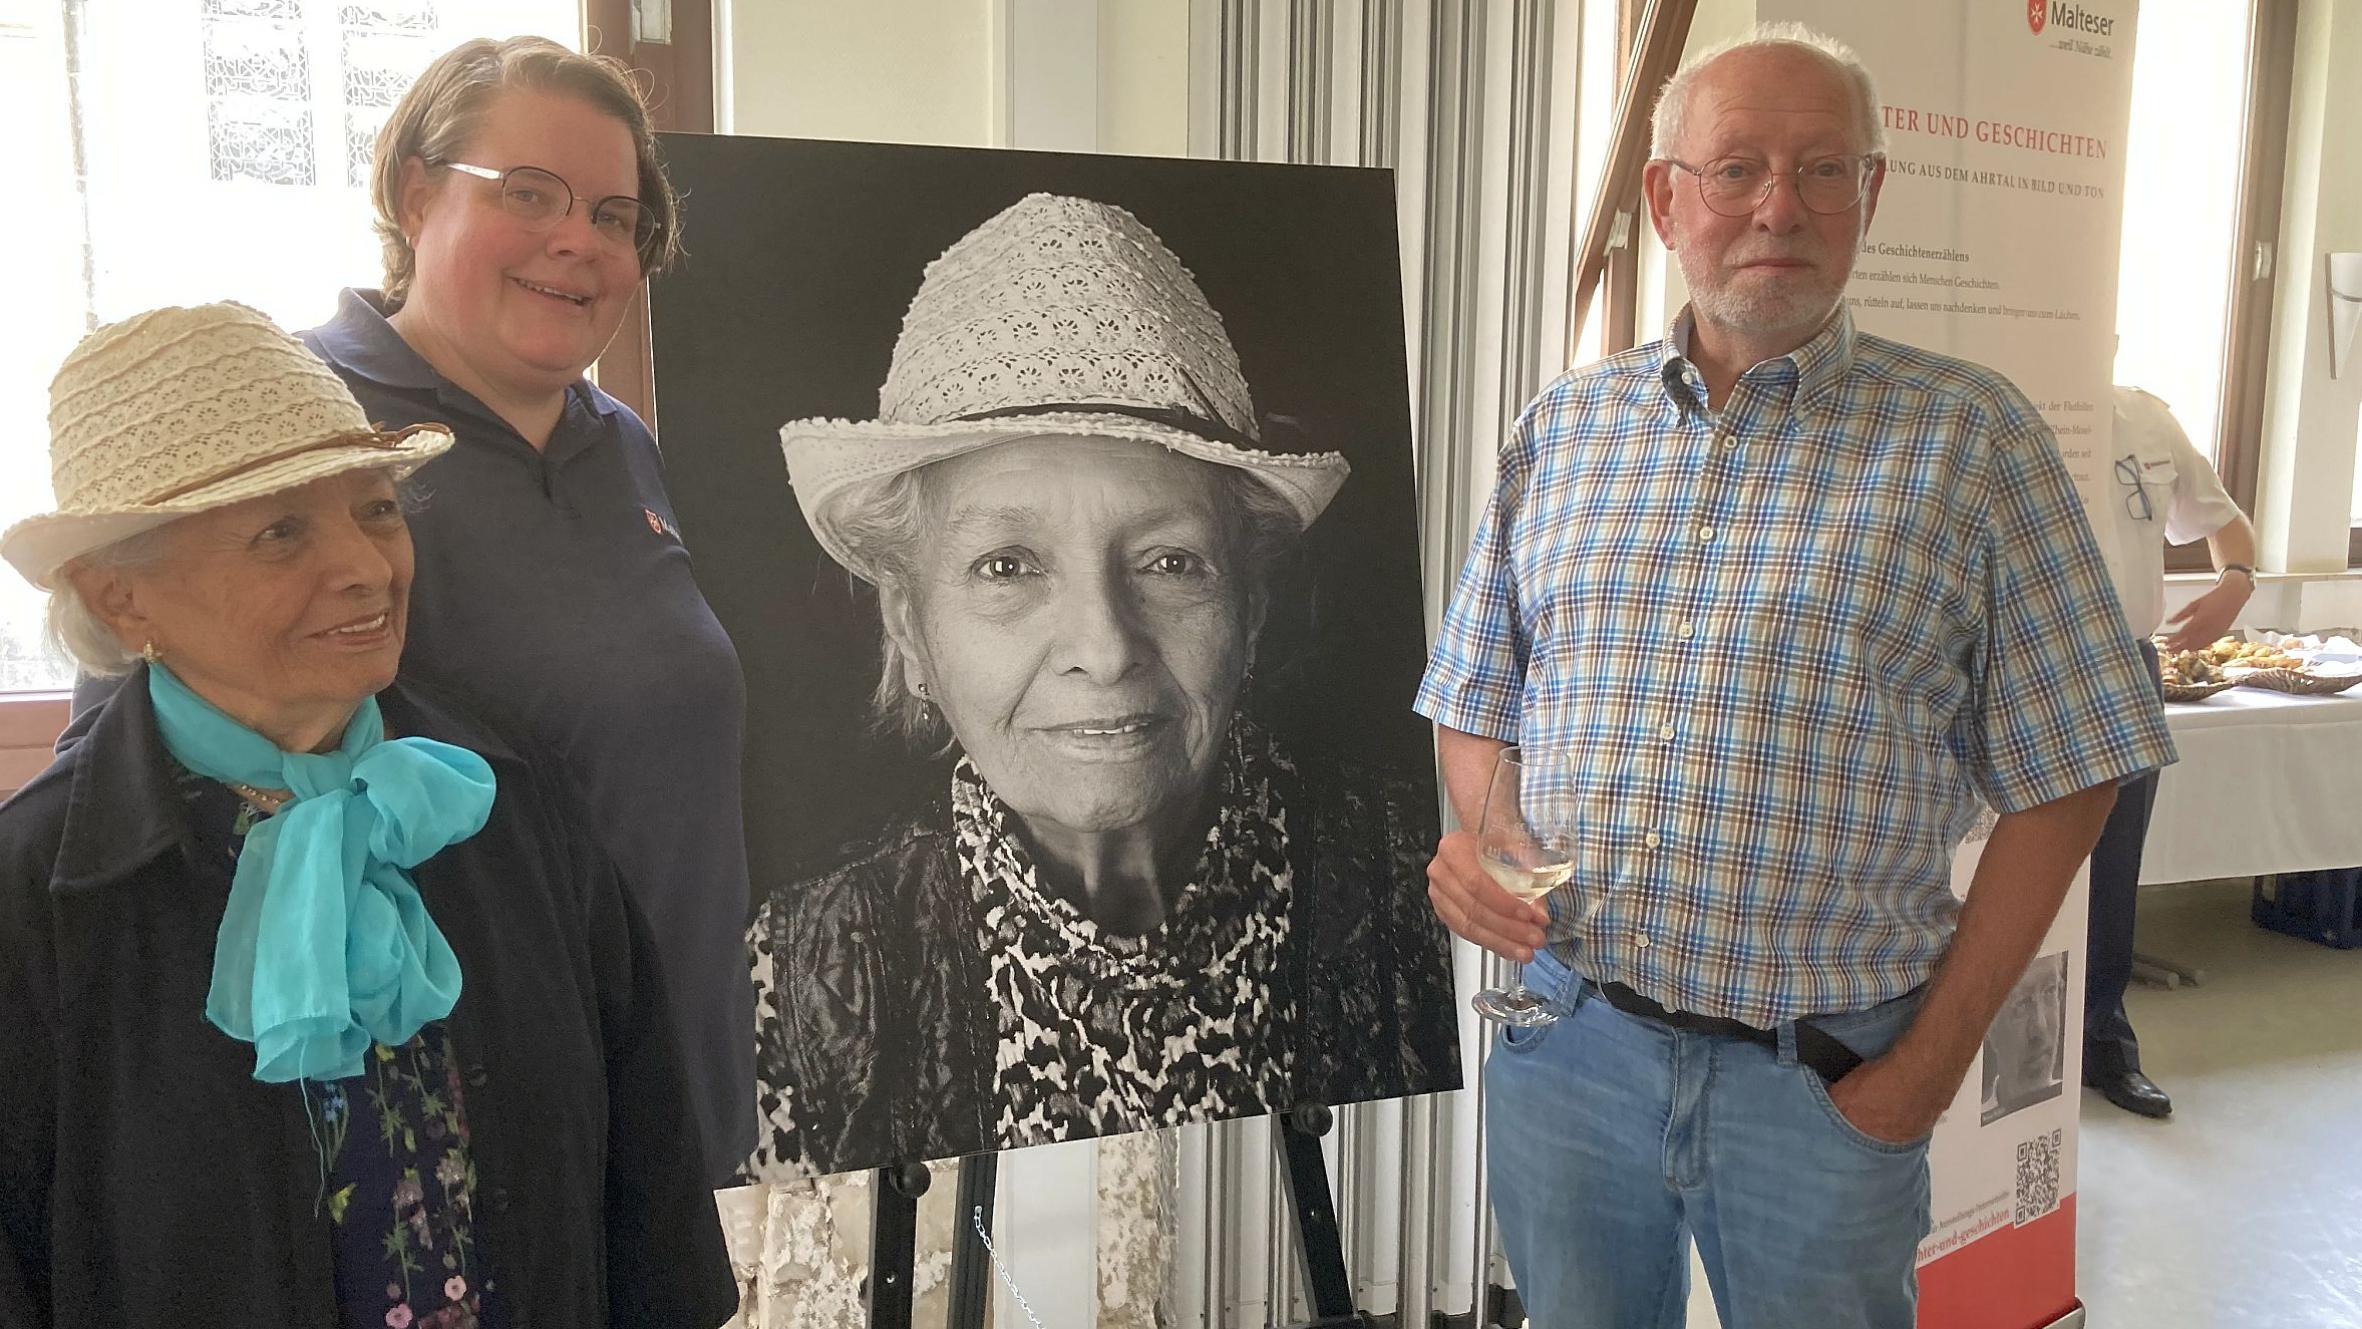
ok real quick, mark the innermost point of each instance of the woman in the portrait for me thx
(1125, 906)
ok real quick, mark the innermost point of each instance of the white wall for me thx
(1078, 75)
(2306, 483)
(1144, 77)
(2283, 602)
(900, 71)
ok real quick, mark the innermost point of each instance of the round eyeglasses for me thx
(2136, 497)
(541, 199)
(1737, 186)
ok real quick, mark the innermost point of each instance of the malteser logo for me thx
(2072, 17)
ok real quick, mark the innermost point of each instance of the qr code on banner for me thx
(2038, 1177)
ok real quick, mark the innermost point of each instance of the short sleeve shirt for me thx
(1779, 652)
(2161, 491)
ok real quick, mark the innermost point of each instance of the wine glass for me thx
(1526, 842)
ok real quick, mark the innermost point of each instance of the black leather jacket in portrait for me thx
(880, 1033)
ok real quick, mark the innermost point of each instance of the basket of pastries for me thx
(2280, 664)
(2190, 676)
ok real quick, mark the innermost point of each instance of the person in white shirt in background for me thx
(2162, 492)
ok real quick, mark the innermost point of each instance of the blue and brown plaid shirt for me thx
(1782, 651)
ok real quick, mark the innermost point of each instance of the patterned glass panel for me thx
(264, 120)
(247, 58)
(285, 11)
(258, 92)
(360, 144)
(262, 140)
(379, 67)
(407, 15)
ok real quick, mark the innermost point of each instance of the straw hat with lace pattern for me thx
(1057, 317)
(177, 411)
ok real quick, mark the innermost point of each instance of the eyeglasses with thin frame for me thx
(541, 199)
(2136, 503)
(1737, 186)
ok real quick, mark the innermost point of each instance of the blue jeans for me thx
(1612, 1138)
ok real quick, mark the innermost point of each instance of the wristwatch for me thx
(2236, 567)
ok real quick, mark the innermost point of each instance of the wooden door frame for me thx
(677, 78)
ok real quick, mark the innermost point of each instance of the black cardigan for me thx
(147, 1178)
(883, 1040)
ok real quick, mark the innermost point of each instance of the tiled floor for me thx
(2245, 1209)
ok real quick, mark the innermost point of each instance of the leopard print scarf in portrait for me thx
(1101, 1033)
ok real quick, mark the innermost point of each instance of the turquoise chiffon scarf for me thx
(325, 945)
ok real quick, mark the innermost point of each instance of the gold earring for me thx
(150, 654)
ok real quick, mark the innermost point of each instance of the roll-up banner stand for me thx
(1996, 239)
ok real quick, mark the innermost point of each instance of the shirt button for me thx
(1652, 840)
(1687, 630)
(1705, 532)
(1640, 939)
(1666, 732)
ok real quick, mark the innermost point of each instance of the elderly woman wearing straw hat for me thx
(520, 202)
(1126, 906)
(315, 1007)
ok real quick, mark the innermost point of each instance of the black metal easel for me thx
(894, 1192)
(894, 1210)
(893, 1243)
(971, 1262)
(1296, 1136)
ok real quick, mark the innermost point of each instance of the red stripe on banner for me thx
(2013, 1278)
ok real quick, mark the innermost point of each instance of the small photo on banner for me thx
(1062, 511)
(2025, 1059)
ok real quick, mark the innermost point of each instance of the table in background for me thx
(2267, 782)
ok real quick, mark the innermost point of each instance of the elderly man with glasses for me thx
(1788, 600)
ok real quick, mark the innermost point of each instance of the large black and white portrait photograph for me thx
(1062, 510)
(2026, 1049)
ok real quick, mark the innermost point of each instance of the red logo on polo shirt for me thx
(658, 524)
(2037, 15)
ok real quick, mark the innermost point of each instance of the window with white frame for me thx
(179, 151)
(2181, 206)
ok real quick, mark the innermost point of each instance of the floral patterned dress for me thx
(396, 1199)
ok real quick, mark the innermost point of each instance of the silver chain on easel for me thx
(1171, 1178)
(976, 1217)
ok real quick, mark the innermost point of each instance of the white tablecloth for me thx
(2266, 783)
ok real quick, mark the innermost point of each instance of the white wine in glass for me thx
(1524, 882)
(1526, 843)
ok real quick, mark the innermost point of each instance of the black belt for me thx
(1828, 1058)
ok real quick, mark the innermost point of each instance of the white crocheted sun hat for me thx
(1058, 317)
(176, 411)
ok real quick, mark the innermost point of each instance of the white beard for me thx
(1763, 305)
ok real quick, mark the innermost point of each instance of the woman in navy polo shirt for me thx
(521, 202)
